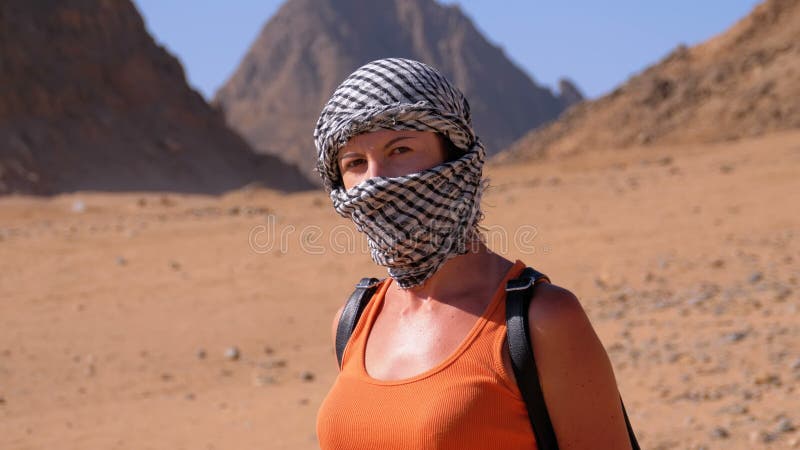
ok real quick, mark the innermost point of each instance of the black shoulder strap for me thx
(519, 293)
(351, 313)
(634, 442)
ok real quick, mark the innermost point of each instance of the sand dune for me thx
(117, 310)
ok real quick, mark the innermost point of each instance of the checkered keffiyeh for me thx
(414, 223)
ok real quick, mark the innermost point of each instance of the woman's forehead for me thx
(380, 138)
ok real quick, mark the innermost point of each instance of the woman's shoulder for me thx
(561, 333)
(554, 307)
(575, 371)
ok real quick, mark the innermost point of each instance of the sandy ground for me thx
(117, 310)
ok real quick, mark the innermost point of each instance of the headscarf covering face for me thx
(414, 223)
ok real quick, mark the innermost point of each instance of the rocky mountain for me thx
(309, 46)
(743, 82)
(88, 101)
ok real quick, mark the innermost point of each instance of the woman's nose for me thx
(375, 168)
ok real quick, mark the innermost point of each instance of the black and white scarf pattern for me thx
(414, 223)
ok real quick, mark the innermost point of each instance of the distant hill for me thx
(88, 101)
(744, 82)
(309, 46)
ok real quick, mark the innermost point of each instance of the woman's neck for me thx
(475, 271)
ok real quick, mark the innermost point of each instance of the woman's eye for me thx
(352, 163)
(398, 150)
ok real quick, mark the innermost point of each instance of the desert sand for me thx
(166, 321)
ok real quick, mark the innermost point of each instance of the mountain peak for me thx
(568, 92)
(307, 48)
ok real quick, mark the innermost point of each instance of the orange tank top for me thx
(467, 401)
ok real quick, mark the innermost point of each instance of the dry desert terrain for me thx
(165, 321)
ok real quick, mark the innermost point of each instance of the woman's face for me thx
(389, 153)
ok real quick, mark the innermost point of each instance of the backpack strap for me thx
(519, 294)
(634, 442)
(352, 312)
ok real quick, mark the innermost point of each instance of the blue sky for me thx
(597, 44)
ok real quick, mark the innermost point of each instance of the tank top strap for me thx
(356, 345)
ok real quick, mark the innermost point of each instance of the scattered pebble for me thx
(121, 261)
(755, 436)
(269, 350)
(737, 409)
(767, 437)
(232, 353)
(274, 363)
(720, 433)
(264, 379)
(175, 265)
(769, 379)
(78, 206)
(554, 181)
(201, 353)
(783, 293)
(307, 376)
(785, 426)
(755, 277)
(736, 336)
(718, 264)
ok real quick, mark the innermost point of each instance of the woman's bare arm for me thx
(576, 375)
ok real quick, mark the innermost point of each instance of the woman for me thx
(427, 365)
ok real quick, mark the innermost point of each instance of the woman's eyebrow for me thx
(345, 155)
(385, 146)
(398, 138)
